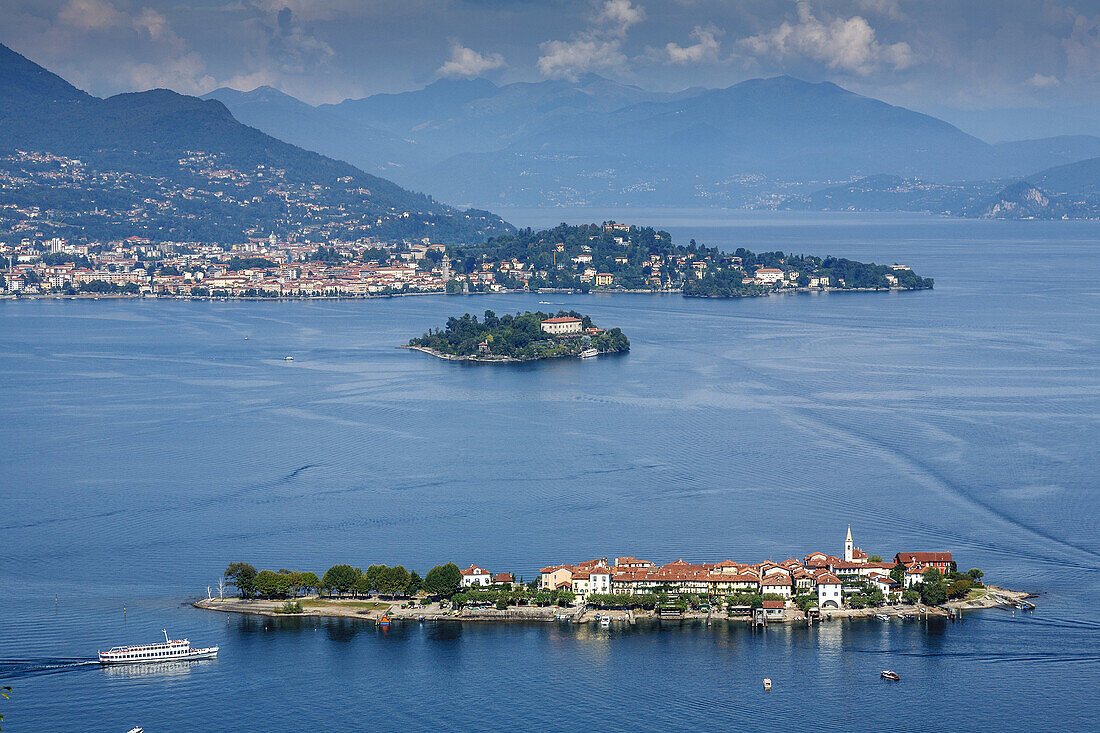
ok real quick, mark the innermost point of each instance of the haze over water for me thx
(147, 444)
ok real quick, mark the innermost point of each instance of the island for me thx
(523, 337)
(816, 588)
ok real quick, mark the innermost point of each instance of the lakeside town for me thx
(820, 586)
(609, 257)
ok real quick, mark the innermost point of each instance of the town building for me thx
(563, 325)
(474, 575)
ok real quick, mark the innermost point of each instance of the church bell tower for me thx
(848, 555)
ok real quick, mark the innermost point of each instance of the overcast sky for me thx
(936, 55)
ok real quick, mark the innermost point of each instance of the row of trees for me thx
(397, 581)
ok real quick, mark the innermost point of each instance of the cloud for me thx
(469, 63)
(294, 48)
(842, 44)
(1042, 81)
(705, 48)
(619, 15)
(598, 48)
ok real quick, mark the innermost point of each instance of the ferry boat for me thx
(888, 675)
(169, 651)
(589, 353)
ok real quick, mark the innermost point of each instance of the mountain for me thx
(174, 145)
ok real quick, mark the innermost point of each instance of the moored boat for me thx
(888, 675)
(168, 651)
(589, 353)
(384, 621)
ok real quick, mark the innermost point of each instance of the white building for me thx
(769, 274)
(474, 575)
(829, 592)
(565, 324)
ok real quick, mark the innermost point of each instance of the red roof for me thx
(502, 578)
(923, 557)
(564, 319)
(773, 604)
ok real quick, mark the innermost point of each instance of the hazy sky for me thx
(928, 54)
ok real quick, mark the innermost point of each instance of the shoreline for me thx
(372, 609)
(493, 359)
(540, 291)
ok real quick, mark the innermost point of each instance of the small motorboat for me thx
(605, 621)
(384, 621)
(288, 358)
(767, 683)
(882, 617)
(888, 675)
(420, 618)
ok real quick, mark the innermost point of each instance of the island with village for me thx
(522, 337)
(606, 258)
(820, 587)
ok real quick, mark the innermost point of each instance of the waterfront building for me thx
(830, 591)
(474, 575)
(939, 560)
(777, 583)
(562, 325)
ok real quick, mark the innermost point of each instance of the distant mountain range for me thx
(148, 136)
(596, 141)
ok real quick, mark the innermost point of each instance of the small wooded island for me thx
(522, 337)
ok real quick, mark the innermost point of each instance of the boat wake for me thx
(13, 669)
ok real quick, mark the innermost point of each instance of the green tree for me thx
(415, 584)
(458, 600)
(875, 558)
(392, 581)
(932, 575)
(341, 578)
(565, 598)
(910, 596)
(374, 575)
(443, 580)
(975, 574)
(502, 603)
(362, 585)
(898, 573)
(243, 576)
(933, 594)
(270, 584)
(308, 581)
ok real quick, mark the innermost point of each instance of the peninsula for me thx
(818, 587)
(522, 337)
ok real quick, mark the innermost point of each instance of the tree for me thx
(898, 572)
(270, 584)
(458, 600)
(565, 598)
(392, 581)
(875, 558)
(502, 603)
(975, 574)
(363, 585)
(932, 575)
(414, 585)
(242, 575)
(443, 580)
(910, 596)
(959, 588)
(308, 581)
(341, 578)
(933, 594)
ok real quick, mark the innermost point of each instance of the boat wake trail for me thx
(13, 669)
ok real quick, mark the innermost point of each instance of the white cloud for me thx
(469, 63)
(706, 47)
(619, 15)
(842, 44)
(1042, 81)
(598, 48)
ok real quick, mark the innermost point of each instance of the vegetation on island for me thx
(518, 337)
(612, 256)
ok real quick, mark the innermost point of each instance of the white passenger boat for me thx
(588, 353)
(169, 651)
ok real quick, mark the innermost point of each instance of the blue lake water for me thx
(144, 445)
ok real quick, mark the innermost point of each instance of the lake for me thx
(146, 444)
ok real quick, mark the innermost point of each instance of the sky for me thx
(995, 67)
